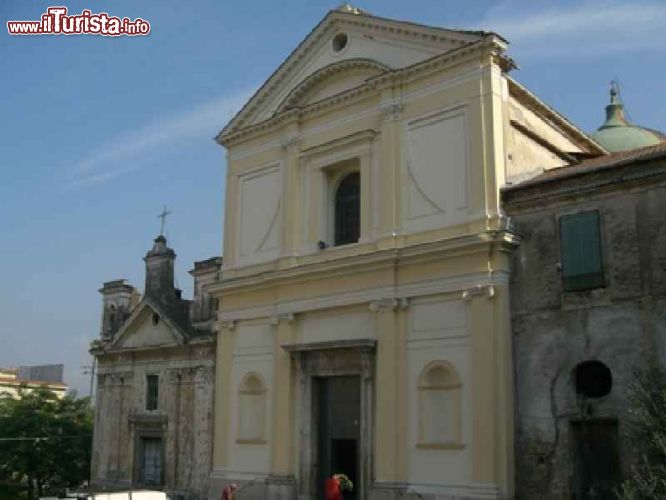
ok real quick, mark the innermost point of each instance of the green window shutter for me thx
(582, 266)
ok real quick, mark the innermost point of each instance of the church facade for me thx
(393, 304)
(364, 317)
(155, 374)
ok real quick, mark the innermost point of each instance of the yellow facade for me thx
(419, 306)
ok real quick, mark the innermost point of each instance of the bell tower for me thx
(160, 272)
(118, 300)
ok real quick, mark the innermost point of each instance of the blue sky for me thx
(98, 133)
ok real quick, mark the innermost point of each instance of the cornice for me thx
(388, 78)
(383, 298)
(541, 141)
(311, 81)
(578, 184)
(164, 348)
(535, 104)
(370, 260)
(331, 22)
(362, 136)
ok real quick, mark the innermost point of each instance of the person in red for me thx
(332, 490)
(229, 493)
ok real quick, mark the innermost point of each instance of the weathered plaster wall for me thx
(184, 416)
(621, 325)
(526, 157)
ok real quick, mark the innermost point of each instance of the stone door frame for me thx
(147, 426)
(333, 359)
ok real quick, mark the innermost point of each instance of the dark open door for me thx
(338, 447)
(596, 460)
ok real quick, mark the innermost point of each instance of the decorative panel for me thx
(436, 170)
(260, 197)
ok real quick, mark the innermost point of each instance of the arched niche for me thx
(251, 409)
(440, 406)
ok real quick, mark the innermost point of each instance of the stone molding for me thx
(402, 294)
(391, 111)
(388, 304)
(464, 42)
(311, 81)
(405, 98)
(290, 143)
(314, 268)
(394, 490)
(235, 132)
(479, 290)
(276, 318)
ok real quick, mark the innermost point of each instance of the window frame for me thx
(582, 281)
(336, 185)
(150, 397)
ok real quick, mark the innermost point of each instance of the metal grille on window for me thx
(151, 392)
(347, 210)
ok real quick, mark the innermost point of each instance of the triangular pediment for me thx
(341, 37)
(147, 327)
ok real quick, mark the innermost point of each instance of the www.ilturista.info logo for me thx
(55, 21)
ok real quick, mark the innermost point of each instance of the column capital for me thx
(229, 325)
(478, 290)
(388, 304)
(391, 111)
(290, 143)
(276, 318)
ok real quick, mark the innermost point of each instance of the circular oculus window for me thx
(339, 42)
(593, 379)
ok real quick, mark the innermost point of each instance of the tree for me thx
(44, 443)
(647, 479)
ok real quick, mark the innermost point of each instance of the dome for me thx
(618, 134)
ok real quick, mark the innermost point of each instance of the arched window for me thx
(348, 210)
(439, 406)
(252, 409)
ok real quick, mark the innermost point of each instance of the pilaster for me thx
(282, 452)
(391, 154)
(390, 413)
(223, 374)
(291, 193)
(492, 394)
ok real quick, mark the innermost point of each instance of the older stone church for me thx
(361, 321)
(155, 364)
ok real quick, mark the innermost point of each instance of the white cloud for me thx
(584, 29)
(128, 152)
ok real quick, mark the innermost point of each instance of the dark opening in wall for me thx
(593, 379)
(156, 319)
(339, 42)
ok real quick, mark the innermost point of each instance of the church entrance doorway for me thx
(338, 415)
(151, 461)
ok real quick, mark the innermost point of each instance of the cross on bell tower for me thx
(163, 216)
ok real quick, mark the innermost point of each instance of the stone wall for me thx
(622, 324)
(183, 417)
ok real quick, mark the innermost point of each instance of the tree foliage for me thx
(44, 443)
(647, 479)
